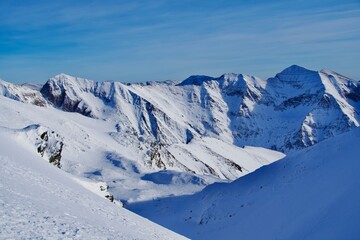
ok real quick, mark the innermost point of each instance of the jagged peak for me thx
(240, 80)
(232, 80)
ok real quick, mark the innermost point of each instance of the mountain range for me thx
(293, 110)
(137, 142)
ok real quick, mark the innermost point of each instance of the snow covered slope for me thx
(90, 148)
(39, 201)
(311, 194)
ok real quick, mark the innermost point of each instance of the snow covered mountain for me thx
(310, 194)
(160, 137)
(295, 109)
(139, 142)
(236, 108)
(93, 149)
(163, 120)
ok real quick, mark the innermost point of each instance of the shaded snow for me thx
(311, 194)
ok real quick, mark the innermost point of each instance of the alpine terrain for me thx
(137, 143)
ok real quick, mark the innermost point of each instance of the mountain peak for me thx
(62, 76)
(196, 80)
(63, 79)
(296, 70)
(230, 76)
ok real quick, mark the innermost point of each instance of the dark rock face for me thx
(54, 93)
(354, 93)
(64, 92)
(50, 145)
(155, 156)
(58, 96)
(303, 99)
(110, 197)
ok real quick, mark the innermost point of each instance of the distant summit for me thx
(296, 70)
(196, 80)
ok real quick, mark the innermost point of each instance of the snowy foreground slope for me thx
(311, 194)
(39, 201)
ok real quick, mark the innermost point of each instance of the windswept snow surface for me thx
(311, 194)
(39, 201)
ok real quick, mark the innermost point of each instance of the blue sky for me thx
(133, 41)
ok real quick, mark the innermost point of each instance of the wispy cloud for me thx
(172, 39)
